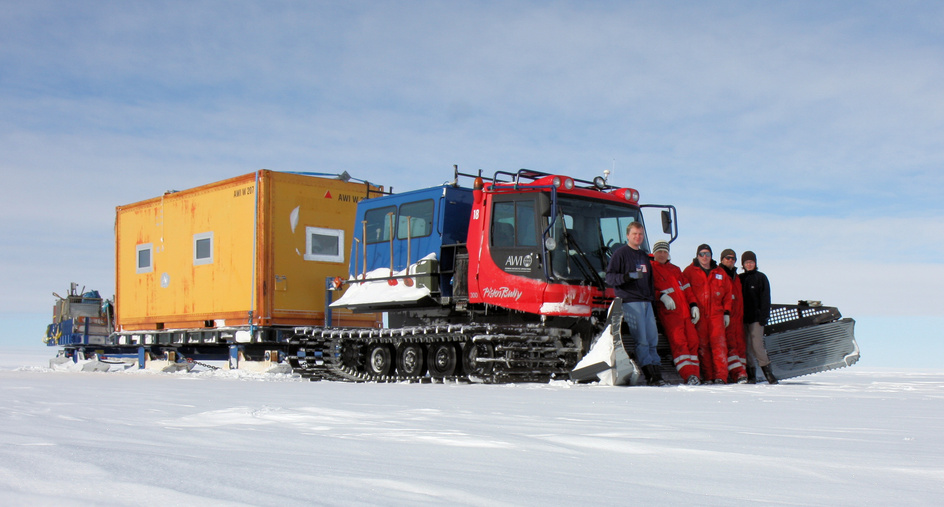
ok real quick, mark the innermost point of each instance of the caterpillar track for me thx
(482, 353)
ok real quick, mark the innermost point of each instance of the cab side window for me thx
(416, 219)
(513, 224)
(503, 224)
(379, 224)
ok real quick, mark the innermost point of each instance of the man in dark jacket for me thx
(756, 291)
(630, 274)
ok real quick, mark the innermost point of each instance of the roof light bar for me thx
(629, 194)
(563, 181)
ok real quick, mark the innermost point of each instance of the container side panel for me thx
(137, 231)
(200, 243)
(310, 223)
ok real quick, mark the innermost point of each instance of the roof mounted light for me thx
(629, 194)
(559, 181)
(599, 182)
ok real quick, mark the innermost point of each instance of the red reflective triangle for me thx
(327, 194)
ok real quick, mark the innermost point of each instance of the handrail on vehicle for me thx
(598, 184)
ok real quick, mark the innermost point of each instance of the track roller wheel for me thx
(471, 352)
(411, 361)
(352, 357)
(380, 359)
(442, 360)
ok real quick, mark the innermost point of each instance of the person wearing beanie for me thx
(748, 256)
(677, 311)
(755, 289)
(712, 290)
(734, 332)
(629, 272)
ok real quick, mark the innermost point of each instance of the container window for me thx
(203, 248)
(378, 224)
(325, 245)
(420, 216)
(145, 262)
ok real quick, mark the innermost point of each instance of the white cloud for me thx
(799, 130)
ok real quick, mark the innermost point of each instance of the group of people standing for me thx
(712, 316)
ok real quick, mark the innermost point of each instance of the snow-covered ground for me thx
(849, 437)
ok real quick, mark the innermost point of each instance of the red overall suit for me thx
(734, 333)
(712, 292)
(677, 324)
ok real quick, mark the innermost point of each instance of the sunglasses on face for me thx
(704, 254)
(730, 258)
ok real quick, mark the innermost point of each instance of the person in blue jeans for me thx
(630, 274)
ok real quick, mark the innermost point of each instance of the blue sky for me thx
(809, 132)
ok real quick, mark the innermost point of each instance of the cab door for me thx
(513, 240)
(510, 273)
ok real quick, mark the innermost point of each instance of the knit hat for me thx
(726, 252)
(660, 245)
(703, 247)
(748, 256)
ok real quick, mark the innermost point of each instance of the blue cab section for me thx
(412, 225)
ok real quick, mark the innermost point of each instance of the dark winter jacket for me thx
(756, 290)
(630, 274)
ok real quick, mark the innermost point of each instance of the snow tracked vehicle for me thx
(500, 282)
(504, 282)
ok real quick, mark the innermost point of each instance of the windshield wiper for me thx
(585, 267)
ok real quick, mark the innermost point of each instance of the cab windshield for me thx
(586, 233)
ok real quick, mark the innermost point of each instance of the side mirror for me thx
(666, 221)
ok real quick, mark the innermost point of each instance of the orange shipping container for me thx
(251, 250)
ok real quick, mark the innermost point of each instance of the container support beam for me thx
(234, 356)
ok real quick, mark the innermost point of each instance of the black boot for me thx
(751, 375)
(771, 379)
(655, 375)
(647, 372)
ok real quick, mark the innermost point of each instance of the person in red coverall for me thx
(712, 289)
(677, 311)
(734, 333)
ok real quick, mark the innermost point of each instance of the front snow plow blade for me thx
(807, 338)
(608, 359)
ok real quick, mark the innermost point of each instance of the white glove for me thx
(727, 320)
(695, 315)
(668, 302)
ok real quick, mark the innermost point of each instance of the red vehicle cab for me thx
(540, 243)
